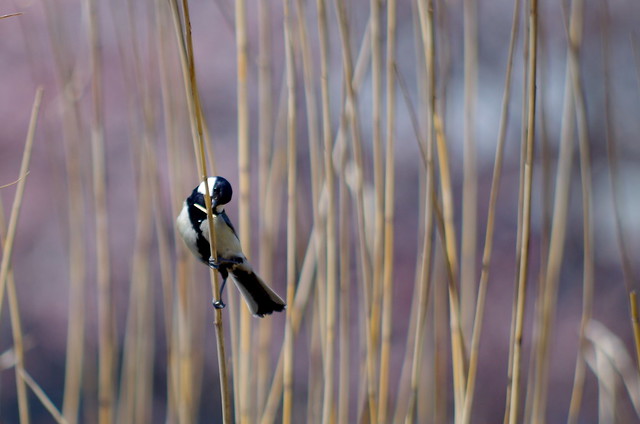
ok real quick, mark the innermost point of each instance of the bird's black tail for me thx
(259, 297)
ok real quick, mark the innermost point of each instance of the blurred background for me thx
(96, 261)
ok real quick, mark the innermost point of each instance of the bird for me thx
(193, 226)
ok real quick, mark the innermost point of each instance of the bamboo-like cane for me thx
(389, 213)
(6, 276)
(556, 246)
(331, 241)
(351, 111)
(242, 384)
(287, 408)
(191, 88)
(488, 242)
(266, 240)
(378, 179)
(526, 211)
(106, 336)
(470, 173)
(585, 173)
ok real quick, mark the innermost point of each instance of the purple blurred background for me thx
(40, 257)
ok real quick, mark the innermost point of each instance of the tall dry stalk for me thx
(287, 407)
(378, 178)
(17, 333)
(526, 211)
(588, 257)
(331, 242)
(243, 370)
(7, 237)
(266, 243)
(470, 173)
(544, 321)
(185, 47)
(352, 114)
(7, 248)
(106, 333)
(389, 213)
(488, 242)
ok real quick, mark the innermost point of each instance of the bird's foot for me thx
(223, 262)
(218, 304)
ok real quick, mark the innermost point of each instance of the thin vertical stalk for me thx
(331, 242)
(470, 173)
(488, 242)
(326, 347)
(585, 173)
(6, 275)
(304, 289)
(345, 298)
(425, 285)
(16, 330)
(526, 211)
(106, 336)
(76, 220)
(427, 26)
(424, 280)
(266, 242)
(168, 287)
(558, 234)
(378, 175)
(243, 399)
(287, 409)
(191, 88)
(635, 321)
(352, 113)
(389, 212)
(448, 231)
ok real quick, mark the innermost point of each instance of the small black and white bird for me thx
(193, 226)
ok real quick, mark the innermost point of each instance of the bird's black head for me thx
(220, 191)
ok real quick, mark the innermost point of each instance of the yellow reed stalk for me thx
(76, 218)
(351, 112)
(558, 232)
(389, 211)
(326, 310)
(243, 397)
(18, 336)
(526, 211)
(488, 242)
(6, 276)
(287, 408)
(168, 288)
(378, 176)
(266, 244)
(329, 232)
(585, 173)
(106, 332)
(191, 88)
(470, 173)
(7, 247)
(635, 320)
(304, 289)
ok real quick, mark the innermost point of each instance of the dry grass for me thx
(323, 214)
